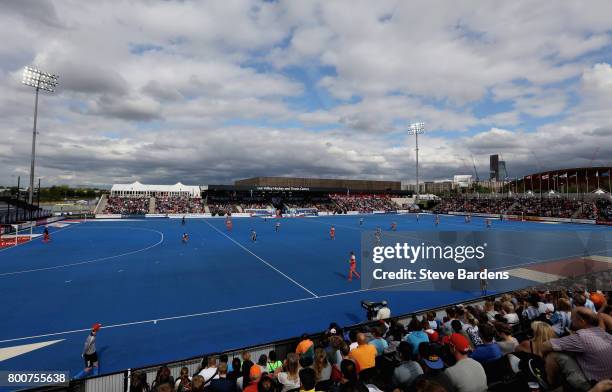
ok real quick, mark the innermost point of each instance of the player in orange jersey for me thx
(353, 268)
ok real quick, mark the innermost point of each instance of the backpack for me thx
(532, 368)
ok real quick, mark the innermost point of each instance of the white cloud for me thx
(167, 91)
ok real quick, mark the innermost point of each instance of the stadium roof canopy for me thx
(138, 189)
(322, 183)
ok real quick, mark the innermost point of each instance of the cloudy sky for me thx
(212, 91)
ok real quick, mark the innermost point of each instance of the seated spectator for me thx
(531, 306)
(490, 311)
(459, 329)
(308, 379)
(222, 383)
(591, 346)
(598, 300)
(305, 347)
(262, 362)
(254, 376)
(447, 328)
(165, 386)
(321, 365)
(561, 320)
(335, 352)
(488, 351)
(210, 371)
(236, 371)
(273, 362)
(138, 382)
(224, 359)
(471, 329)
(466, 375)
(432, 334)
(432, 366)
(378, 342)
(245, 378)
(266, 384)
(288, 376)
(542, 333)
(580, 299)
(509, 314)
(183, 383)
(431, 319)
(545, 306)
(350, 379)
(163, 376)
(408, 370)
(416, 335)
(507, 343)
(364, 354)
(197, 384)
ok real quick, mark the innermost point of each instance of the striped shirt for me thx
(593, 349)
(561, 322)
(531, 313)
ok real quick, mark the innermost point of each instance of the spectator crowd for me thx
(127, 205)
(550, 206)
(236, 202)
(178, 205)
(363, 202)
(525, 341)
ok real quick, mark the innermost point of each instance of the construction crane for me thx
(474, 165)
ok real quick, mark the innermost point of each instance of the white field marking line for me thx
(27, 242)
(223, 310)
(94, 260)
(260, 259)
(210, 312)
(220, 311)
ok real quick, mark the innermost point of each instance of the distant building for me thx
(136, 189)
(462, 180)
(432, 187)
(497, 168)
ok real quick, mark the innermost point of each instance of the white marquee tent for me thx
(136, 189)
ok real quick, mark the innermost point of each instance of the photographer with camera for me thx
(376, 310)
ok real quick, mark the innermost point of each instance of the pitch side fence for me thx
(120, 381)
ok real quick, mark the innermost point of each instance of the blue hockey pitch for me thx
(161, 300)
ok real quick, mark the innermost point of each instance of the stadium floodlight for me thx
(416, 129)
(40, 80)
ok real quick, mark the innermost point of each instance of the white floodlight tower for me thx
(416, 129)
(40, 80)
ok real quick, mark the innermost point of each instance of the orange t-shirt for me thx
(252, 387)
(365, 355)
